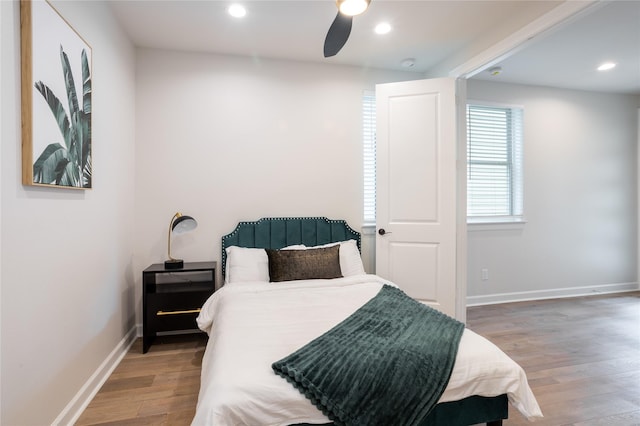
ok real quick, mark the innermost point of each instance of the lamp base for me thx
(174, 264)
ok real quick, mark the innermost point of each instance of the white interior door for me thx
(416, 190)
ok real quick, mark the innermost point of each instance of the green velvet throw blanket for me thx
(386, 364)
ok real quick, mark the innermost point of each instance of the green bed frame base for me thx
(278, 232)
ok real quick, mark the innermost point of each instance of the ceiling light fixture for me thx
(382, 28)
(606, 66)
(237, 10)
(352, 7)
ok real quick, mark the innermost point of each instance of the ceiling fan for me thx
(340, 29)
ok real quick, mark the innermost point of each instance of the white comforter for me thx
(251, 325)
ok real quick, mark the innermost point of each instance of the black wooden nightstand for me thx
(172, 298)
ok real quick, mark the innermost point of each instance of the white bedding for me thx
(251, 325)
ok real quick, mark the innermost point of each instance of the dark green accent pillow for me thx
(289, 265)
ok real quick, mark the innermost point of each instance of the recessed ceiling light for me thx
(382, 28)
(237, 10)
(606, 66)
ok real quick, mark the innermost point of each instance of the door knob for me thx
(381, 231)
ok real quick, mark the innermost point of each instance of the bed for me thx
(254, 325)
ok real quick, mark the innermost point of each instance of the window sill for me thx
(499, 224)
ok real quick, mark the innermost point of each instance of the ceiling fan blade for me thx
(338, 34)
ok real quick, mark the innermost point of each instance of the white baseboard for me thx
(76, 406)
(492, 299)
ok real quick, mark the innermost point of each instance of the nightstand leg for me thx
(146, 343)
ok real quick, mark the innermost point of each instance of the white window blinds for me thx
(369, 155)
(494, 163)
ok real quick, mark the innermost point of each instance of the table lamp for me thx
(179, 224)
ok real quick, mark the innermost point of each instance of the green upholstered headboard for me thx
(278, 232)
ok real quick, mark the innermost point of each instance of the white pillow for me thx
(350, 260)
(248, 264)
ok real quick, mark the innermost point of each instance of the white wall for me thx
(227, 139)
(580, 198)
(66, 255)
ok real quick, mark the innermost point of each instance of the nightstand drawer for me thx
(174, 320)
(174, 311)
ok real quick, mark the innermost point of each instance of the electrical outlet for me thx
(484, 274)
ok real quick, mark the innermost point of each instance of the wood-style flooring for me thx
(581, 356)
(157, 388)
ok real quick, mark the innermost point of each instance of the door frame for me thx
(564, 14)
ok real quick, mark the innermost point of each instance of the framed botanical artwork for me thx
(56, 99)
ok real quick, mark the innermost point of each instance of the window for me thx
(494, 164)
(369, 155)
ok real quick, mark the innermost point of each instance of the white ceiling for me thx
(569, 55)
(431, 31)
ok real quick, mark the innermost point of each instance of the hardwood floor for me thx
(581, 356)
(157, 388)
